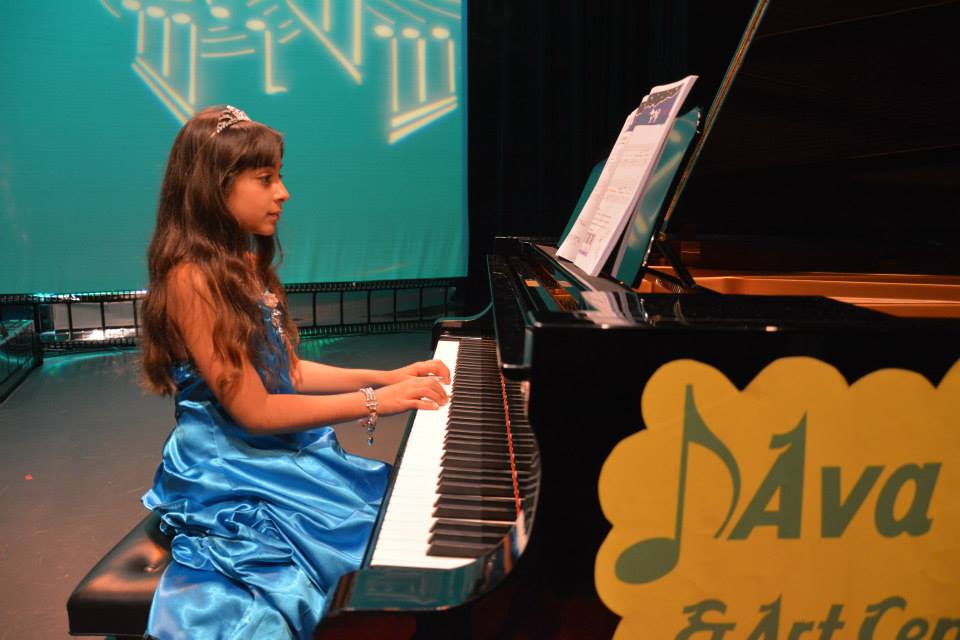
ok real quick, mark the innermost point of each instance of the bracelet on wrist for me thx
(370, 420)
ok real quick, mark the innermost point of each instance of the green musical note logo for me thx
(651, 559)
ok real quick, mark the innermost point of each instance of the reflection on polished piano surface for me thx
(817, 216)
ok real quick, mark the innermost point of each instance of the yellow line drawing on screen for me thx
(800, 503)
(413, 75)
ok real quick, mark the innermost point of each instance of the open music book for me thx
(621, 185)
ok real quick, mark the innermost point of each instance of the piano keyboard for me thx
(456, 492)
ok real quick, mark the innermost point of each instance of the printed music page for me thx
(622, 181)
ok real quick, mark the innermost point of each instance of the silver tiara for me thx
(229, 117)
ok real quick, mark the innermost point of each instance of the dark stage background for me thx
(838, 138)
(550, 82)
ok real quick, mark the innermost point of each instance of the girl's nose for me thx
(282, 194)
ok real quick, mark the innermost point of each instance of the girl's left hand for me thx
(424, 368)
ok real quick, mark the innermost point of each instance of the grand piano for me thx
(813, 214)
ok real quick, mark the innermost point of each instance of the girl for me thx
(265, 510)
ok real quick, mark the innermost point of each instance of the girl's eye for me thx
(265, 179)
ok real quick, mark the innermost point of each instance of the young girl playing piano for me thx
(265, 509)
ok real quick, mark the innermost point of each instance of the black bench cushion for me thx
(115, 597)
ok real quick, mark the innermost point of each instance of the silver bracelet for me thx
(370, 421)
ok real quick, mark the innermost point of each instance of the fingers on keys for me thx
(436, 368)
(433, 394)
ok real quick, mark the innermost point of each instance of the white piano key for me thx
(405, 532)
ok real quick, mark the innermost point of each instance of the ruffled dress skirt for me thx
(262, 526)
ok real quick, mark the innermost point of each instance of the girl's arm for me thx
(313, 377)
(191, 309)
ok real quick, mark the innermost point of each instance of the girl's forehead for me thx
(273, 167)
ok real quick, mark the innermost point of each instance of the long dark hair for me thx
(194, 226)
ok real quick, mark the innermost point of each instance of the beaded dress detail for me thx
(262, 526)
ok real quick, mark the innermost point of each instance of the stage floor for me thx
(80, 444)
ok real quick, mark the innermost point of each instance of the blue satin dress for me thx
(262, 526)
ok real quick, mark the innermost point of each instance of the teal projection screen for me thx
(370, 95)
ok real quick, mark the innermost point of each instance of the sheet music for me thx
(624, 177)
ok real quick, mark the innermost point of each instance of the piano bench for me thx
(114, 598)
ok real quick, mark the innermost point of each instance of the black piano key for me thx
(479, 433)
(454, 458)
(477, 425)
(477, 428)
(477, 386)
(474, 380)
(458, 550)
(457, 449)
(487, 414)
(485, 484)
(469, 536)
(473, 439)
(473, 412)
(475, 501)
(475, 433)
(478, 437)
(474, 436)
(459, 464)
(490, 460)
(478, 391)
(490, 441)
(492, 445)
(453, 469)
(473, 408)
(459, 487)
(446, 541)
(470, 527)
(466, 435)
(465, 464)
(482, 461)
(473, 405)
(488, 512)
(479, 476)
(452, 472)
(454, 523)
(478, 446)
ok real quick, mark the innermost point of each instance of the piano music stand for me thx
(647, 222)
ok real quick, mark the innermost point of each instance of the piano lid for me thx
(838, 136)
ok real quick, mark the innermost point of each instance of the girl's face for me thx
(256, 199)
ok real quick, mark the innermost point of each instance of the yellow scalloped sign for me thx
(799, 508)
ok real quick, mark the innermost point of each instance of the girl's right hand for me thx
(413, 393)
